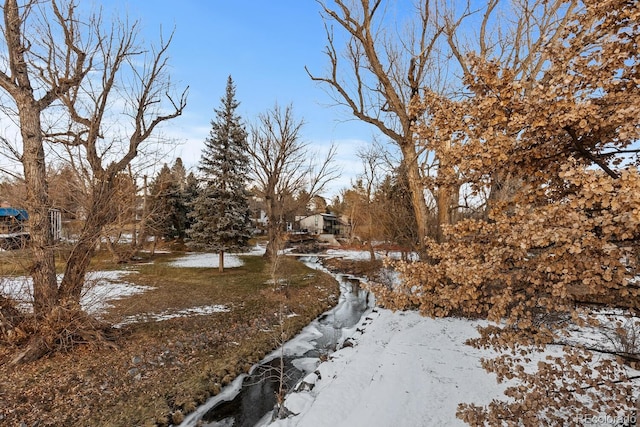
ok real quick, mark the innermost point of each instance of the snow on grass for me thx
(100, 288)
(104, 286)
(211, 260)
(206, 260)
(257, 250)
(172, 314)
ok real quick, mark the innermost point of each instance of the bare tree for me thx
(282, 167)
(381, 73)
(124, 200)
(388, 75)
(66, 77)
(373, 161)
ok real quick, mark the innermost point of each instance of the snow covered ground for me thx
(403, 370)
(364, 255)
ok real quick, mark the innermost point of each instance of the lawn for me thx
(179, 342)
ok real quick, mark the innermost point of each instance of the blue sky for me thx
(264, 46)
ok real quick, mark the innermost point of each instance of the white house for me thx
(321, 224)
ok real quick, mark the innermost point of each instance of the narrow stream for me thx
(249, 398)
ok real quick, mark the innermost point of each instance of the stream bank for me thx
(251, 397)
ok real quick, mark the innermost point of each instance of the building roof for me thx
(19, 214)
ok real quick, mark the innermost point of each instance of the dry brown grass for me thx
(160, 371)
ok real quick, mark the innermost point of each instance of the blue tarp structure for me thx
(18, 214)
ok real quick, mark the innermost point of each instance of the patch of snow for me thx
(18, 288)
(306, 364)
(257, 250)
(104, 286)
(617, 330)
(100, 288)
(206, 260)
(353, 255)
(172, 314)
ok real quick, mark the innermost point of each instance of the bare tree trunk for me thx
(101, 213)
(443, 203)
(18, 85)
(43, 267)
(272, 246)
(153, 246)
(112, 249)
(447, 194)
(274, 231)
(142, 237)
(221, 261)
(416, 188)
(372, 253)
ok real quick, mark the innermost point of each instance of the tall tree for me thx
(63, 74)
(381, 73)
(123, 226)
(178, 201)
(397, 218)
(164, 200)
(282, 167)
(189, 195)
(221, 210)
(372, 161)
(170, 197)
(179, 172)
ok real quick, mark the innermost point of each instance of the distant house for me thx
(14, 226)
(14, 229)
(322, 223)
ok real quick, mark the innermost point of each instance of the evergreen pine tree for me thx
(179, 201)
(179, 173)
(165, 200)
(221, 214)
(190, 193)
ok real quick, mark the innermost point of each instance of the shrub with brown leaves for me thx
(564, 239)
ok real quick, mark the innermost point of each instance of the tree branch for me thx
(588, 155)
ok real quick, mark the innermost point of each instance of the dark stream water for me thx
(257, 395)
(251, 397)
